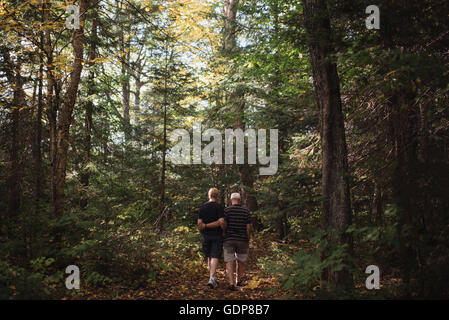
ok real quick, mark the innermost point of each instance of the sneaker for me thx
(212, 283)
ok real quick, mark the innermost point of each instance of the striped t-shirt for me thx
(237, 217)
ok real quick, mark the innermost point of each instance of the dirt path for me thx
(193, 283)
(190, 283)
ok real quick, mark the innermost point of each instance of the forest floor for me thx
(193, 283)
(188, 278)
(190, 283)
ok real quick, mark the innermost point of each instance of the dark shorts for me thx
(212, 247)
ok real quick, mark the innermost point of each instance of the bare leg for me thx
(230, 272)
(213, 266)
(208, 263)
(240, 270)
(237, 268)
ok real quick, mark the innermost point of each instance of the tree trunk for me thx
(139, 85)
(377, 204)
(336, 200)
(52, 101)
(404, 133)
(246, 172)
(229, 38)
(125, 76)
(137, 100)
(126, 92)
(65, 116)
(164, 152)
(14, 182)
(37, 148)
(164, 145)
(92, 54)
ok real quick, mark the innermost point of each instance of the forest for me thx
(118, 116)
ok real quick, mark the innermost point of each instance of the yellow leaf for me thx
(253, 284)
(391, 72)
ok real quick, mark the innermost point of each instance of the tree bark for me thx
(88, 123)
(164, 154)
(52, 100)
(14, 182)
(246, 172)
(125, 75)
(229, 38)
(377, 204)
(335, 186)
(65, 115)
(139, 85)
(137, 101)
(37, 145)
(164, 142)
(403, 123)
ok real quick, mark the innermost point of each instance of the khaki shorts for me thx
(234, 249)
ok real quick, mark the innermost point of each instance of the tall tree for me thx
(14, 76)
(336, 199)
(37, 143)
(88, 121)
(65, 115)
(237, 100)
(125, 48)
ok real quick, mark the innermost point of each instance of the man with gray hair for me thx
(237, 228)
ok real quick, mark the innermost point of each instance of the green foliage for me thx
(40, 282)
(302, 269)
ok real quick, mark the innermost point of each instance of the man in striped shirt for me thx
(236, 240)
